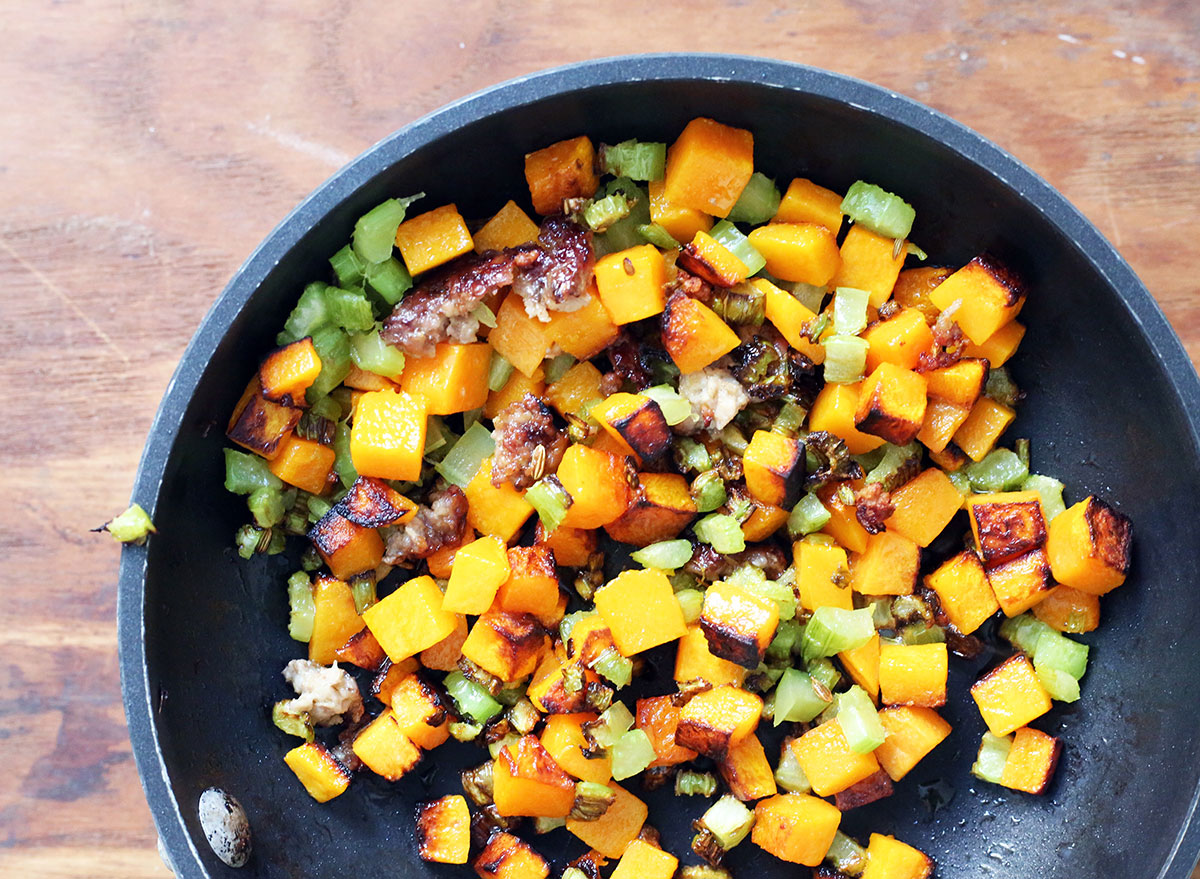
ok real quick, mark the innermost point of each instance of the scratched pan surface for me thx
(1112, 408)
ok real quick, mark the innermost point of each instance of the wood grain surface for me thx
(146, 146)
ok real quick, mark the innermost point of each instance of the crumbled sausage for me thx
(628, 363)
(528, 445)
(715, 396)
(439, 524)
(557, 280)
(327, 694)
(872, 506)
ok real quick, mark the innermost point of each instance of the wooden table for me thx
(147, 146)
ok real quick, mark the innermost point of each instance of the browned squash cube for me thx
(508, 857)
(384, 749)
(1031, 761)
(1022, 582)
(420, 711)
(505, 644)
(1010, 696)
(1088, 546)
(260, 425)
(347, 548)
(636, 422)
(889, 858)
(322, 776)
(774, 468)
(863, 793)
(363, 650)
(747, 772)
(891, 404)
(714, 721)
(1006, 525)
(738, 624)
(661, 508)
(444, 830)
(372, 503)
(989, 295)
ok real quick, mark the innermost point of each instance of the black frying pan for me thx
(1113, 407)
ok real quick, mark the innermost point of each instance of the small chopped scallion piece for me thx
(462, 462)
(551, 501)
(739, 245)
(245, 473)
(499, 372)
(993, 754)
(302, 609)
(807, 516)
(375, 231)
(666, 555)
(484, 315)
(634, 159)
(723, 533)
(471, 699)
(1000, 470)
(592, 800)
(729, 821)
(290, 722)
(796, 699)
(846, 856)
(877, 209)
(708, 491)
(557, 367)
(601, 214)
(347, 267)
(691, 603)
(674, 407)
(1050, 490)
(758, 202)
(371, 354)
(831, 630)
(788, 774)
(349, 309)
(790, 419)
(689, 783)
(657, 235)
(631, 753)
(850, 310)
(860, 721)
(613, 667)
(845, 359)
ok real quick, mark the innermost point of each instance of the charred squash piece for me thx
(738, 624)
(362, 650)
(746, 771)
(444, 830)
(560, 171)
(989, 296)
(506, 645)
(658, 718)
(322, 776)
(891, 404)
(384, 749)
(693, 334)
(1088, 546)
(660, 509)
(714, 721)
(372, 503)
(637, 422)
(1006, 525)
(774, 468)
(507, 857)
(889, 858)
(421, 712)
(529, 782)
(287, 372)
(260, 425)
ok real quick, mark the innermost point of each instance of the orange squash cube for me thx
(711, 260)
(563, 740)
(441, 562)
(961, 383)
(822, 576)
(912, 732)
(616, 828)
(924, 506)
(694, 335)
(508, 857)
(529, 782)
(496, 510)
(843, 525)
(384, 749)
(444, 830)
(658, 718)
(1010, 696)
(764, 520)
(322, 776)
(517, 386)
(578, 388)
(548, 688)
(584, 332)
(640, 860)
(433, 238)
(640, 609)
(631, 283)
(289, 371)
(963, 591)
(1031, 761)
(978, 434)
(806, 202)
(506, 645)
(708, 166)
(1022, 582)
(900, 340)
(411, 619)
(1006, 525)
(572, 547)
(889, 858)
(891, 404)
(389, 677)
(942, 421)
(372, 503)
(563, 170)
(869, 263)
(834, 411)
(347, 548)
(387, 438)
(828, 762)
(303, 463)
(532, 584)
(444, 655)
(590, 637)
(913, 674)
(862, 664)
(913, 287)
(796, 828)
(597, 485)
(480, 567)
(950, 459)
(517, 337)
(715, 720)
(1000, 346)
(1088, 547)
(695, 662)
(790, 316)
(335, 619)
(661, 507)
(738, 623)
(888, 566)
(453, 380)
(746, 771)
(990, 294)
(1069, 610)
(681, 223)
(361, 380)
(261, 425)
(509, 227)
(420, 712)
(363, 650)
(636, 422)
(805, 252)
(774, 468)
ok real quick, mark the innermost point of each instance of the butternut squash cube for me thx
(681, 223)
(1010, 696)
(441, 561)
(289, 371)
(913, 674)
(335, 619)
(912, 732)
(661, 507)
(631, 283)
(950, 459)
(913, 287)
(496, 510)
(712, 261)
(517, 337)
(373, 503)
(640, 860)
(560, 687)
(389, 677)
(942, 421)
(303, 463)
(1069, 610)
(795, 827)
(805, 252)
(828, 762)
(900, 340)
(387, 438)
(260, 425)
(693, 334)
(963, 591)
(563, 740)
(738, 624)
(715, 720)
(924, 506)
(480, 567)
(774, 468)
(746, 771)
(640, 609)
(560, 171)
(708, 166)
(658, 718)
(862, 664)
(506, 645)
(517, 386)
(889, 858)
(433, 238)
(806, 202)
(322, 776)
(453, 380)
(361, 649)
(347, 548)
(871, 789)
(791, 317)
(636, 422)
(1088, 547)
(410, 619)
(572, 547)
(579, 387)
(444, 655)
(695, 662)
(961, 383)
(834, 411)
(616, 828)
(822, 576)
(1006, 525)
(590, 638)
(891, 404)
(990, 294)
(532, 584)
(509, 227)
(843, 525)
(764, 520)
(597, 484)
(869, 263)
(978, 434)
(384, 749)
(508, 857)
(1000, 346)
(1022, 582)
(420, 712)
(1031, 761)
(586, 331)
(444, 830)
(888, 566)
(529, 782)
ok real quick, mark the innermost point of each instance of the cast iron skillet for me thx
(1113, 408)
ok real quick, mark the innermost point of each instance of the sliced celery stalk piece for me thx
(880, 211)
(333, 347)
(789, 775)
(615, 668)
(347, 267)
(462, 462)
(846, 856)
(349, 309)
(631, 753)
(390, 279)
(691, 603)
(723, 533)
(708, 491)
(729, 821)
(375, 231)
(499, 372)
(657, 235)
(673, 405)
(471, 699)
(1050, 490)
(807, 516)
(845, 359)
(850, 310)
(1000, 470)
(245, 473)
(831, 630)
(739, 245)
(302, 609)
(371, 354)
(342, 463)
(132, 526)
(550, 499)
(758, 202)
(796, 699)
(267, 506)
(635, 159)
(309, 315)
(666, 555)
(601, 214)
(860, 721)
(993, 754)
(1060, 685)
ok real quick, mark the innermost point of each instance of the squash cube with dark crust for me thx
(693, 334)
(321, 774)
(532, 584)
(363, 650)
(715, 720)
(960, 383)
(288, 371)
(989, 296)
(372, 503)
(347, 548)
(636, 422)
(747, 772)
(384, 749)
(863, 793)
(421, 711)
(891, 404)
(774, 466)
(1022, 582)
(1006, 525)
(505, 644)
(1088, 546)
(738, 624)
(444, 830)
(508, 857)
(661, 507)
(528, 781)
(260, 425)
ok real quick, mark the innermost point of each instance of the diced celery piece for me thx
(780, 593)
(484, 315)
(758, 202)
(691, 603)
(1024, 632)
(558, 366)
(347, 267)
(471, 699)
(787, 639)
(1050, 490)
(673, 405)
(302, 608)
(859, 720)
(850, 310)
(1000, 470)
(267, 505)
(1060, 685)
(462, 462)
(371, 354)
(602, 213)
(245, 473)
(729, 821)
(623, 234)
(880, 211)
(993, 754)
(317, 507)
(739, 245)
(846, 856)
(1055, 650)
(326, 407)
(631, 753)
(549, 498)
(375, 231)
(922, 633)
(1001, 387)
(692, 455)
(894, 459)
(343, 465)
(823, 671)
(807, 516)
(695, 784)
(723, 533)
(291, 723)
(667, 555)
(349, 309)
(615, 668)
(655, 234)
(789, 775)
(614, 722)
(635, 159)
(810, 295)
(333, 347)
(499, 372)
(796, 699)
(437, 436)
(363, 590)
(390, 279)
(708, 491)
(845, 359)
(831, 630)
(567, 624)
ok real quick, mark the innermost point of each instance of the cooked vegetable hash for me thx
(679, 416)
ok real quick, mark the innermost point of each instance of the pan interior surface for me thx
(1106, 411)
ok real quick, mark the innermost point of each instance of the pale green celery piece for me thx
(860, 721)
(1060, 685)
(721, 532)
(494, 748)
(846, 856)
(631, 754)
(747, 575)
(1001, 387)
(347, 267)
(290, 722)
(850, 310)
(655, 234)
(637, 160)
(1000, 470)
(244, 473)
(302, 608)
(993, 754)
(363, 590)
(691, 603)
(375, 231)
(758, 202)
(602, 213)
(922, 633)
(960, 481)
(673, 406)
(343, 465)
(845, 359)
(708, 491)
(1055, 650)
(1024, 632)
(729, 237)
(463, 461)
(499, 372)
(729, 821)
(484, 315)
(831, 630)
(666, 555)
(309, 314)
(1051, 492)
(390, 279)
(796, 699)
(786, 640)
(371, 354)
(789, 775)
(333, 347)
(471, 699)
(614, 721)
(437, 435)
(267, 505)
(782, 594)
(557, 367)
(810, 295)
(824, 671)
(349, 309)
(883, 212)
(895, 458)
(551, 501)
(615, 668)
(807, 516)
(692, 455)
